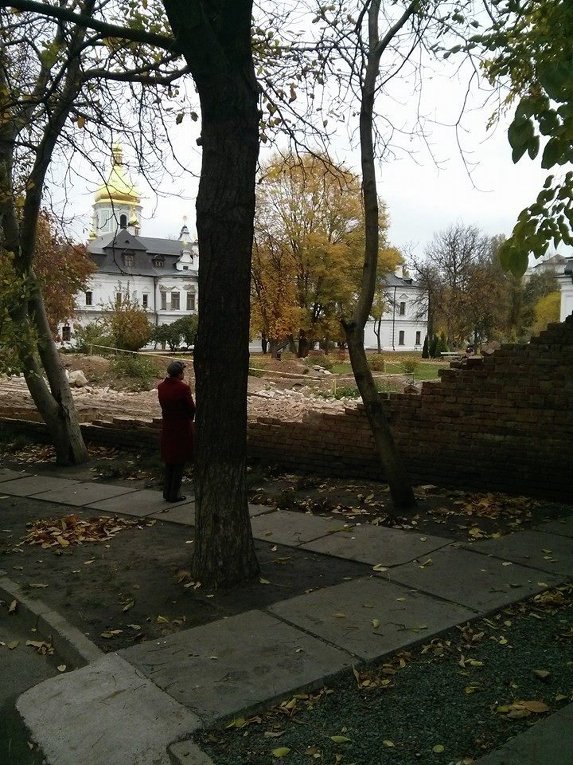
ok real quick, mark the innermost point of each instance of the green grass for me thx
(426, 370)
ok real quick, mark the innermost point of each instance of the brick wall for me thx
(506, 425)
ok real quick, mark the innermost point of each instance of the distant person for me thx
(178, 410)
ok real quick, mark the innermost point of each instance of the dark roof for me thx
(391, 280)
(126, 241)
(108, 253)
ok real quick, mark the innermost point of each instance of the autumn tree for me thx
(127, 323)
(63, 270)
(217, 49)
(308, 246)
(52, 101)
(275, 314)
(547, 310)
(465, 285)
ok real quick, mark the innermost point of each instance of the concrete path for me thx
(165, 689)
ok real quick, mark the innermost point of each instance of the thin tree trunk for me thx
(395, 472)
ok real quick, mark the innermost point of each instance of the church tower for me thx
(117, 203)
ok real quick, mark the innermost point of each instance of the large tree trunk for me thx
(218, 51)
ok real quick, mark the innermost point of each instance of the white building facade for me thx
(404, 324)
(565, 279)
(160, 275)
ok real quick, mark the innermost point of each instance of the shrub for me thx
(410, 366)
(139, 371)
(321, 359)
(187, 328)
(93, 334)
(377, 362)
(167, 334)
(128, 325)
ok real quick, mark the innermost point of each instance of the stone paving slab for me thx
(473, 580)
(106, 712)
(548, 552)
(82, 493)
(9, 475)
(30, 485)
(377, 545)
(234, 664)
(188, 753)
(563, 527)
(255, 510)
(370, 617)
(548, 742)
(183, 513)
(143, 502)
(288, 528)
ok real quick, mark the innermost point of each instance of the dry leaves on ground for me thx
(73, 530)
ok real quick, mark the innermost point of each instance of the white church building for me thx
(404, 323)
(159, 274)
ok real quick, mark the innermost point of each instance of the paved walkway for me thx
(163, 690)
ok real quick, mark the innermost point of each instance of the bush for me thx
(377, 362)
(128, 325)
(139, 371)
(167, 334)
(186, 326)
(93, 334)
(321, 360)
(410, 366)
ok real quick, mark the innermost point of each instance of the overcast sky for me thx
(422, 198)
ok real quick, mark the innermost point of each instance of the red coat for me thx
(178, 410)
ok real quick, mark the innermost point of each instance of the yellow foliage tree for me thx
(309, 240)
(547, 310)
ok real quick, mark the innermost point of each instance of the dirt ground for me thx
(124, 581)
(287, 390)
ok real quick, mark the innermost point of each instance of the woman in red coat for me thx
(178, 410)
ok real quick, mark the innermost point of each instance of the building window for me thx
(158, 262)
(145, 300)
(163, 301)
(175, 303)
(190, 301)
(402, 309)
(123, 221)
(401, 337)
(418, 338)
(89, 298)
(66, 333)
(129, 259)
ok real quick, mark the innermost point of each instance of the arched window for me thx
(123, 221)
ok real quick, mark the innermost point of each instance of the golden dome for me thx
(118, 189)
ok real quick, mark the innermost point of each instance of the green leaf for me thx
(340, 739)
(553, 152)
(282, 751)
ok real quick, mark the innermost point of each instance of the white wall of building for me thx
(566, 284)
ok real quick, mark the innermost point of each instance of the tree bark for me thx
(217, 49)
(37, 351)
(395, 472)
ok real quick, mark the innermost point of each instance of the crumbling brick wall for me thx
(506, 425)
